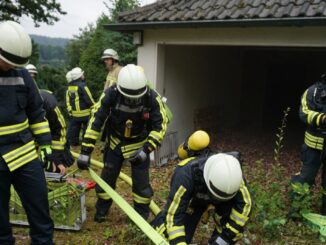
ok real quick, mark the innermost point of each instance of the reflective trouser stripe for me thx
(20, 156)
(313, 141)
(141, 200)
(103, 195)
(14, 128)
(40, 128)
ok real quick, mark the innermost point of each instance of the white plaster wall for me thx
(171, 58)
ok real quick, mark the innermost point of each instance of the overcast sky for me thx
(79, 13)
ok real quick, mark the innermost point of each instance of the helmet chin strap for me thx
(132, 101)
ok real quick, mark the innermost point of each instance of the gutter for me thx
(266, 22)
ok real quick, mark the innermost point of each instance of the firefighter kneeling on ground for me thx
(313, 114)
(199, 181)
(137, 123)
(61, 157)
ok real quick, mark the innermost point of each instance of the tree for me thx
(120, 6)
(90, 59)
(46, 11)
(77, 45)
(34, 59)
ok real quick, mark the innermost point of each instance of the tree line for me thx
(84, 50)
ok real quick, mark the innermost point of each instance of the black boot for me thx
(100, 216)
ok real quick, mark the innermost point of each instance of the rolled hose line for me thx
(94, 163)
(148, 230)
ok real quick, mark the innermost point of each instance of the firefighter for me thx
(111, 61)
(313, 114)
(79, 102)
(22, 120)
(136, 125)
(208, 179)
(61, 156)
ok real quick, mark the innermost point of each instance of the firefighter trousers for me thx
(76, 125)
(141, 188)
(29, 182)
(311, 163)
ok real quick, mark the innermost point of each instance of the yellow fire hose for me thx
(153, 206)
(124, 205)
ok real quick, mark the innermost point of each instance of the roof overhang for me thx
(267, 22)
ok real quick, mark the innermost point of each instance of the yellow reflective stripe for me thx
(40, 128)
(62, 124)
(305, 108)
(98, 104)
(181, 243)
(22, 160)
(235, 231)
(90, 133)
(57, 145)
(89, 94)
(112, 145)
(88, 145)
(156, 135)
(77, 101)
(103, 196)
(174, 206)
(161, 229)
(246, 198)
(18, 152)
(139, 199)
(238, 218)
(73, 88)
(127, 155)
(153, 144)
(313, 141)
(81, 113)
(133, 146)
(164, 121)
(318, 119)
(175, 232)
(69, 108)
(311, 116)
(14, 128)
(115, 140)
(184, 162)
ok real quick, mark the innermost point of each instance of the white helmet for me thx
(223, 176)
(132, 82)
(76, 73)
(31, 68)
(68, 76)
(15, 44)
(110, 53)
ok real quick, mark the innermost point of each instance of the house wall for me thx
(195, 68)
(202, 83)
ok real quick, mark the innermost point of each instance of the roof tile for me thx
(185, 10)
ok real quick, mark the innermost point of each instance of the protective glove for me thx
(83, 161)
(45, 157)
(139, 156)
(219, 241)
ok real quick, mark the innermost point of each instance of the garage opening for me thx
(238, 89)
